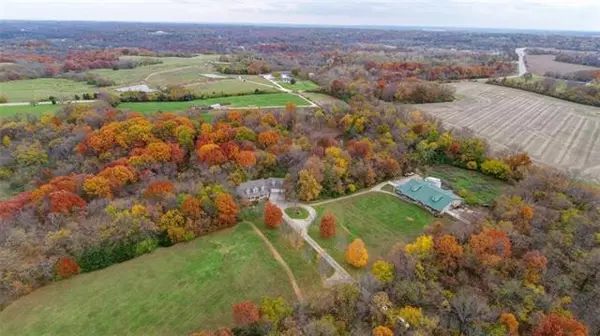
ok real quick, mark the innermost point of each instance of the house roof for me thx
(426, 193)
(261, 187)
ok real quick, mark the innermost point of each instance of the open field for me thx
(6, 111)
(540, 64)
(228, 86)
(380, 220)
(323, 99)
(297, 213)
(172, 291)
(484, 188)
(260, 100)
(301, 85)
(37, 89)
(554, 132)
(162, 74)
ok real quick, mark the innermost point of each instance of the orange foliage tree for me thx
(383, 331)
(245, 313)
(159, 189)
(327, 226)
(246, 159)
(356, 254)
(273, 215)
(211, 154)
(268, 138)
(191, 207)
(66, 267)
(535, 265)
(448, 251)
(511, 323)
(159, 151)
(490, 246)
(558, 325)
(117, 176)
(97, 186)
(228, 209)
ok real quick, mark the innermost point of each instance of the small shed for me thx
(432, 197)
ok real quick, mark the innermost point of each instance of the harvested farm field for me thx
(540, 64)
(558, 133)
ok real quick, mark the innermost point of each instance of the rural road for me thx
(522, 67)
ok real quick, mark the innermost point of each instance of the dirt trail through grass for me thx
(280, 260)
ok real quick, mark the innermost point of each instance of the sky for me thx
(513, 14)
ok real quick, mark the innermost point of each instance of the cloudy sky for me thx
(536, 14)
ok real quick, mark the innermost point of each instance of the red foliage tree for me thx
(273, 215)
(490, 246)
(211, 154)
(191, 207)
(327, 226)
(65, 201)
(246, 159)
(245, 313)
(558, 325)
(66, 267)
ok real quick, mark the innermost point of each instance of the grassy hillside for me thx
(172, 291)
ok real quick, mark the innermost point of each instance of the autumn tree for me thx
(356, 254)
(228, 209)
(383, 271)
(535, 266)
(510, 322)
(64, 201)
(490, 246)
(448, 251)
(66, 267)
(159, 189)
(559, 325)
(97, 186)
(245, 313)
(382, 331)
(327, 226)
(273, 215)
(309, 188)
(246, 159)
(422, 247)
(192, 207)
(211, 154)
(268, 138)
(496, 168)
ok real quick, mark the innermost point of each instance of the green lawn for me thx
(260, 100)
(297, 213)
(229, 86)
(6, 111)
(37, 89)
(324, 99)
(172, 291)
(300, 85)
(484, 188)
(389, 188)
(380, 220)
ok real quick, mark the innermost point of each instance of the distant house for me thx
(256, 190)
(428, 195)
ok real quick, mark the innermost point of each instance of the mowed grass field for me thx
(228, 86)
(300, 85)
(41, 88)
(380, 220)
(173, 291)
(7, 111)
(259, 100)
(484, 188)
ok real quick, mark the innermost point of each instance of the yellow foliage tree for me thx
(97, 186)
(422, 247)
(310, 188)
(383, 271)
(357, 254)
(411, 315)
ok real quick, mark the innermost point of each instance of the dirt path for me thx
(342, 198)
(281, 262)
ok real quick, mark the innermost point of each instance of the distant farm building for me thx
(429, 194)
(256, 190)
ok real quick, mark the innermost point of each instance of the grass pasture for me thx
(260, 100)
(228, 86)
(300, 85)
(380, 220)
(484, 188)
(173, 291)
(41, 88)
(297, 213)
(7, 110)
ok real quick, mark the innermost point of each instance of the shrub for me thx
(66, 267)
(245, 313)
(382, 331)
(146, 246)
(106, 254)
(383, 271)
(496, 168)
(273, 215)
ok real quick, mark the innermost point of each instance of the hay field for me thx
(554, 132)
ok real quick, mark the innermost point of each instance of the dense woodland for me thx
(591, 59)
